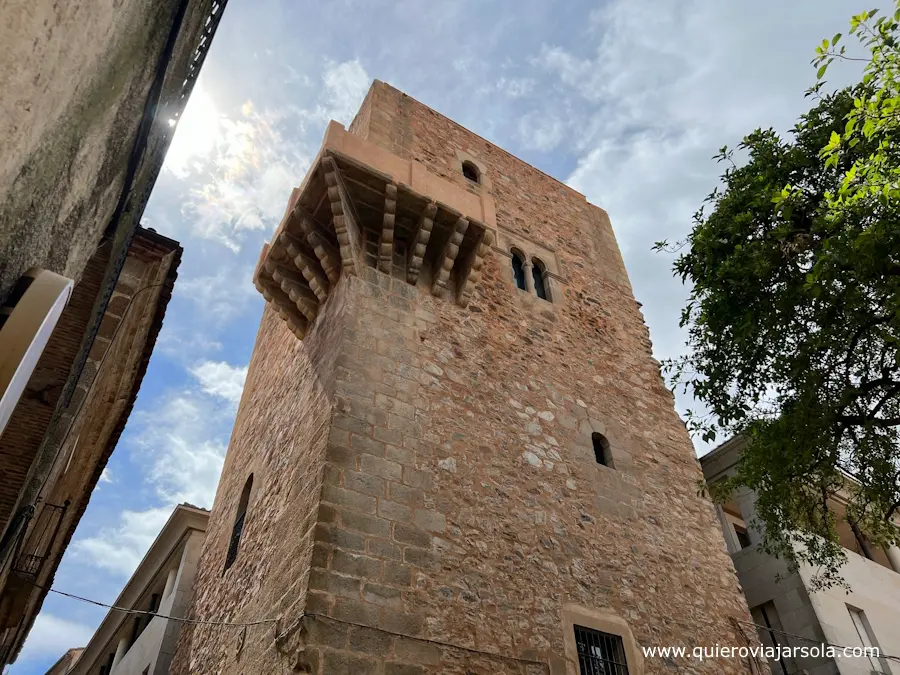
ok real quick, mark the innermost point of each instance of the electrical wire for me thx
(125, 610)
(258, 622)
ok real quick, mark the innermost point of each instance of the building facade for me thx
(64, 441)
(92, 94)
(866, 615)
(454, 452)
(143, 644)
(66, 662)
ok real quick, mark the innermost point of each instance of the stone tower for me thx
(454, 446)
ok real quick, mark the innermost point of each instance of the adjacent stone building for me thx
(92, 93)
(61, 443)
(454, 452)
(792, 612)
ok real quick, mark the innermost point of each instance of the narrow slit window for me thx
(238, 529)
(601, 450)
(538, 271)
(518, 268)
(471, 172)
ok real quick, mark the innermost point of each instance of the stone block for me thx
(382, 595)
(347, 662)
(348, 499)
(417, 651)
(412, 536)
(334, 584)
(355, 565)
(431, 521)
(335, 536)
(406, 495)
(356, 612)
(378, 466)
(402, 623)
(397, 573)
(364, 482)
(383, 549)
(417, 478)
(388, 435)
(325, 633)
(367, 445)
(394, 511)
(397, 668)
(371, 525)
(370, 641)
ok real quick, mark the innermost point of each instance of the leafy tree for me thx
(794, 316)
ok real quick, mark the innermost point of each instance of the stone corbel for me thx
(447, 258)
(386, 253)
(419, 243)
(346, 224)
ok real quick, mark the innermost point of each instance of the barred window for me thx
(600, 653)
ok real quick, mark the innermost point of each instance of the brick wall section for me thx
(461, 504)
(31, 417)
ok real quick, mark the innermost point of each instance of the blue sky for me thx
(625, 100)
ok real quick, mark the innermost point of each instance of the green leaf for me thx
(821, 71)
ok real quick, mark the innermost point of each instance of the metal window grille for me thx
(40, 540)
(600, 653)
(235, 541)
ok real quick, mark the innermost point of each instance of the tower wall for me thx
(426, 497)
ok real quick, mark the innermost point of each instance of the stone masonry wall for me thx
(461, 504)
(279, 436)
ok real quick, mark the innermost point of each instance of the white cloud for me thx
(221, 379)
(541, 131)
(106, 475)
(516, 87)
(182, 442)
(52, 636)
(120, 548)
(184, 343)
(218, 298)
(660, 88)
(238, 170)
(346, 85)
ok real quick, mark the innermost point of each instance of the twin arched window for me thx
(534, 271)
(238, 529)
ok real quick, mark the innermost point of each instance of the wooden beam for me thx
(386, 254)
(346, 223)
(309, 265)
(476, 260)
(419, 243)
(445, 260)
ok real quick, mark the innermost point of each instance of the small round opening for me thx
(471, 172)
